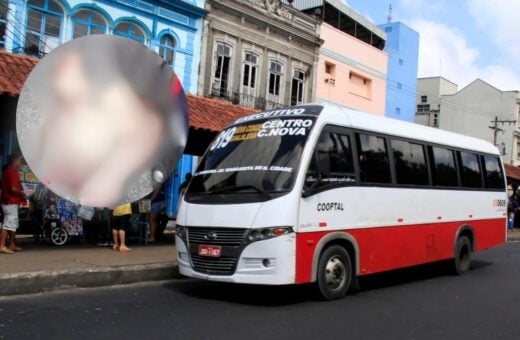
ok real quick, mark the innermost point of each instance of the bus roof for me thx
(333, 114)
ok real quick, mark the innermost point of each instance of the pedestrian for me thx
(120, 225)
(514, 211)
(103, 227)
(11, 197)
(157, 203)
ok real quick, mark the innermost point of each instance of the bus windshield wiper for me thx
(234, 188)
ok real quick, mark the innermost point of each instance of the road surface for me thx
(419, 303)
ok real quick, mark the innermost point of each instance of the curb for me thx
(43, 281)
(513, 236)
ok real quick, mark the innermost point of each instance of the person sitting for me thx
(51, 213)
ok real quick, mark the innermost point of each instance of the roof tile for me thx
(212, 114)
(14, 70)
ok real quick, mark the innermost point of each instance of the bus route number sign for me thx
(210, 251)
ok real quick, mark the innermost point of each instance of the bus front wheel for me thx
(334, 273)
(462, 260)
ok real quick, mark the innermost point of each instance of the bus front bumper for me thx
(270, 262)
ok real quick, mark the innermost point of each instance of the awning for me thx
(512, 172)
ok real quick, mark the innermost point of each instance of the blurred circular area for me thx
(102, 120)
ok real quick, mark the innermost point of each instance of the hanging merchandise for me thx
(86, 212)
(70, 220)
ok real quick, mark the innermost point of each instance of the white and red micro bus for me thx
(324, 194)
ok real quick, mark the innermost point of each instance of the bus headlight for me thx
(267, 233)
(181, 232)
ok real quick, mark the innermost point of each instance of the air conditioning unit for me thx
(50, 43)
(330, 81)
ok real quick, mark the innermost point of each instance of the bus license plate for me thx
(211, 251)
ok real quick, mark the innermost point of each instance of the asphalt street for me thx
(418, 303)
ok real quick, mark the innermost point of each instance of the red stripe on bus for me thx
(387, 248)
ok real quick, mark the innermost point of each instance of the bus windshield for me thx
(251, 161)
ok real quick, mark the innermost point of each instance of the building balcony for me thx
(242, 99)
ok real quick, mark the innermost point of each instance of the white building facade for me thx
(479, 110)
(428, 99)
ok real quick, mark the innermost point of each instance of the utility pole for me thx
(496, 129)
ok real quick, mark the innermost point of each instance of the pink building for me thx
(351, 72)
(352, 67)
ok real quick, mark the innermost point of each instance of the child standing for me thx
(120, 225)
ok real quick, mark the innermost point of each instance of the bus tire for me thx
(462, 256)
(334, 273)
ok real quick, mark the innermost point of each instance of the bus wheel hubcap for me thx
(335, 273)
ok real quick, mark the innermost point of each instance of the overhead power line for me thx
(495, 123)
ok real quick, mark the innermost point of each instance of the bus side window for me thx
(332, 160)
(444, 167)
(493, 175)
(410, 163)
(471, 176)
(373, 159)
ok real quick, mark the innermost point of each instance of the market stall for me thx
(40, 200)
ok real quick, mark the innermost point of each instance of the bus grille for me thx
(224, 236)
(232, 241)
(213, 265)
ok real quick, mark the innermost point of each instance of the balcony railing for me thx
(246, 100)
(31, 51)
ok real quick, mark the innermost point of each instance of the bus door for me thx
(325, 205)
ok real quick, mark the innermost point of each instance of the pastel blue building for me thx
(402, 46)
(172, 28)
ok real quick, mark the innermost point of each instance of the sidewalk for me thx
(40, 267)
(513, 235)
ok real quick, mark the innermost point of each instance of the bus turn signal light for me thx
(279, 231)
(267, 233)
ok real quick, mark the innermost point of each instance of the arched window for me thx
(44, 22)
(130, 30)
(275, 84)
(167, 48)
(87, 22)
(222, 70)
(298, 87)
(275, 78)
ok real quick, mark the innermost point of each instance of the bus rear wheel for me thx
(462, 256)
(334, 273)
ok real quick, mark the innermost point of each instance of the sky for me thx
(460, 40)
